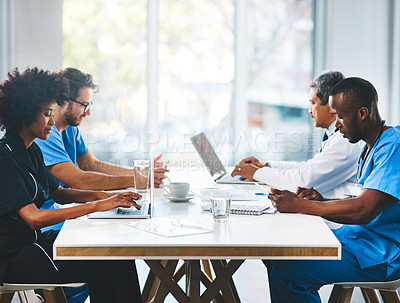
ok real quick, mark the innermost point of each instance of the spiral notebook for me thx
(246, 209)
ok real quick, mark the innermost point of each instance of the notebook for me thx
(145, 212)
(245, 209)
(213, 163)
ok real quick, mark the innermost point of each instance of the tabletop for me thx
(269, 236)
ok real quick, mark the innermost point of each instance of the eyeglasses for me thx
(87, 106)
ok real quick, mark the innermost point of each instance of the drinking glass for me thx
(221, 205)
(141, 174)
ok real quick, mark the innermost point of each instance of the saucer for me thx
(172, 199)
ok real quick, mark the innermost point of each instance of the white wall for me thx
(36, 34)
(358, 38)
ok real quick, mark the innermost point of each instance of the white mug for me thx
(178, 189)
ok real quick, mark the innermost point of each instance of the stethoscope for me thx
(363, 157)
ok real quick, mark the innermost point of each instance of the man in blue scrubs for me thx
(65, 152)
(68, 158)
(370, 234)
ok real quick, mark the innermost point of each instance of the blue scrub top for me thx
(62, 147)
(378, 242)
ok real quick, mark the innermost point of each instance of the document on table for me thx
(171, 226)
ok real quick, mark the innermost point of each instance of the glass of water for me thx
(221, 205)
(141, 174)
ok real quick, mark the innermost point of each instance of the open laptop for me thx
(145, 212)
(213, 163)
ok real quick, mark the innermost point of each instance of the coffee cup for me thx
(178, 189)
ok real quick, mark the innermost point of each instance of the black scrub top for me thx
(24, 179)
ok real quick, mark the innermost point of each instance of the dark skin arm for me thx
(69, 195)
(38, 218)
(309, 193)
(360, 210)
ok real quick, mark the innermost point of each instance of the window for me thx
(279, 61)
(196, 74)
(196, 54)
(108, 40)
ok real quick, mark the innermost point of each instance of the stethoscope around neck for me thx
(364, 155)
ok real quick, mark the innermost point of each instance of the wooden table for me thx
(270, 236)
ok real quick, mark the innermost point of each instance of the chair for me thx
(53, 293)
(342, 292)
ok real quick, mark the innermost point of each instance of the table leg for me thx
(162, 293)
(207, 282)
(168, 283)
(151, 285)
(193, 277)
(222, 281)
(231, 283)
(207, 268)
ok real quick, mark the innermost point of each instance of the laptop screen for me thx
(208, 155)
(151, 192)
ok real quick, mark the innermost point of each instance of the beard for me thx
(72, 119)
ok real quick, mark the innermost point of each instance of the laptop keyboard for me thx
(228, 177)
(131, 210)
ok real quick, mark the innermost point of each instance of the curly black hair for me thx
(23, 94)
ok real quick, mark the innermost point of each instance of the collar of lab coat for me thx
(331, 128)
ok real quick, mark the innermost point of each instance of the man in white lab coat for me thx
(331, 170)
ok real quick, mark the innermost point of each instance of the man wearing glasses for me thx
(68, 158)
(65, 152)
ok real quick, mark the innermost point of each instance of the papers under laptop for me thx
(145, 212)
(213, 163)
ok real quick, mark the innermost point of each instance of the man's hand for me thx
(254, 161)
(309, 193)
(245, 170)
(160, 168)
(285, 201)
(159, 175)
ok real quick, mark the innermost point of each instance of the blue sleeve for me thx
(53, 148)
(385, 167)
(81, 147)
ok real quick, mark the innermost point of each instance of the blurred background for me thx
(239, 70)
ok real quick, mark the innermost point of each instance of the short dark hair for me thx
(358, 92)
(324, 84)
(78, 80)
(23, 94)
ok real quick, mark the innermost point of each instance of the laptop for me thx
(145, 212)
(213, 163)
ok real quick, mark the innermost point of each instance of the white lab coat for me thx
(330, 171)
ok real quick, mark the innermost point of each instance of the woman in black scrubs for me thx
(27, 104)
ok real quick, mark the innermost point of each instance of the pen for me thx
(261, 194)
